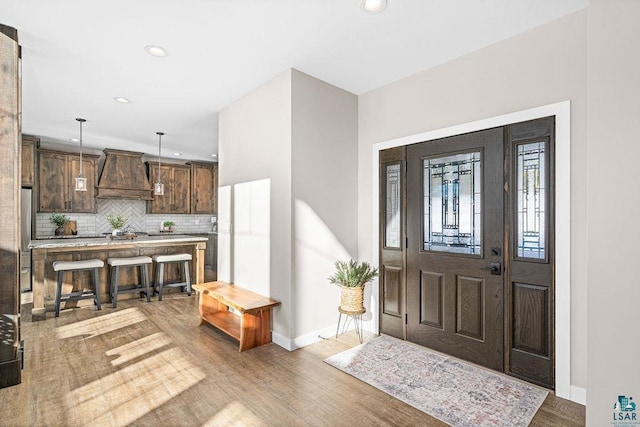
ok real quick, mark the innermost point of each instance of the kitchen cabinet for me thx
(57, 172)
(211, 252)
(29, 146)
(177, 189)
(204, 188)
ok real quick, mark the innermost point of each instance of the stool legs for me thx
(58, 296)
(144, 278)
(184, 275)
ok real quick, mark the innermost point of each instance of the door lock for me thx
(495, 268)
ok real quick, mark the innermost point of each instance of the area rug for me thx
(453, 391)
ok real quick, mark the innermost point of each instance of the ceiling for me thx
(79, 55)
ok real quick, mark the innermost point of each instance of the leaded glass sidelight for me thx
(531, 196)
(452, 201)
(392, 206)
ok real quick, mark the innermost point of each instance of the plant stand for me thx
(356, 316)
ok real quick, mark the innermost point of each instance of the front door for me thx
(455, 244)
(475, 275)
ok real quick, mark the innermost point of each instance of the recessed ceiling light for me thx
(122, 99)
(74, 140)
(155, 50)
(373, 6)
(214, 155)
(177, 154)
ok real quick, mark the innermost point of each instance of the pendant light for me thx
(81, 181)
(158, 187)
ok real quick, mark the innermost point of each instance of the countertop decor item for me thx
(352, 277)
(59, 220)
(117, 222)
(167, 226)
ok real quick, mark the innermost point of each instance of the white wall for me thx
(613, 206)
(324, 182)
(540, 67)
(255, 145)
(288, 166)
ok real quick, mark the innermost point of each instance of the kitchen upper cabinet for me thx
(29, 146)
(57, 172)
(177, 189)
(204, 188)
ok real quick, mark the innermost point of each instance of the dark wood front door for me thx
(455, 243)
(467, 247)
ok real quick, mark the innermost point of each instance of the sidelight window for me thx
(530, 200)
(392, 206)
(451, 204)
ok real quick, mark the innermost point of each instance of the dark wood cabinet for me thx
(57, 172)
(177, 189)
(204, 188)
(29, 146)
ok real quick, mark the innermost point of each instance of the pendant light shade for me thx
(81, 181)
(158, 187)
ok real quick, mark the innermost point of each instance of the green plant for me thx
(59, 219)
(168, 223)
(352, 275)
(116, 221)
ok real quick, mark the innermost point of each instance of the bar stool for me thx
(89, 264)
(161, 260)
(137, 261)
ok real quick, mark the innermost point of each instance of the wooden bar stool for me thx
(137, 261)
(161, 260)
(89, 264)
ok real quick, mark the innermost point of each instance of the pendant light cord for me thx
(159, 149)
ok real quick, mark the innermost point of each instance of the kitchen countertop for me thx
(100, 241)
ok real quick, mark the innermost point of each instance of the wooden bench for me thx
(252, 327)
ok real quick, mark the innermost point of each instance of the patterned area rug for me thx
(455, 392)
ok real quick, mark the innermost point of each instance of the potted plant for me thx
(168, 226)
(59, 220)
(117, 222)
(352, 277)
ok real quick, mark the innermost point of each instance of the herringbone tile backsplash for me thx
(135, 213)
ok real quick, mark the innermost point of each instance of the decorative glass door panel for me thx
(392, 231)
(452, 204)
(531, 200)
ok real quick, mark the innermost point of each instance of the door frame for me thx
(562, 113)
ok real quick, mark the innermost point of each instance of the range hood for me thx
(123, 176)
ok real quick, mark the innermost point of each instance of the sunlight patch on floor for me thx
(102, 324)
(128, 394)
(137, 348)
(234, 414)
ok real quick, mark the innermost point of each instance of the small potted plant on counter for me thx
(117, 222)
(167, 226)
(59, 220)
(352, 278)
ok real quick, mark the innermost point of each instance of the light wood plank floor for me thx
(152, 364)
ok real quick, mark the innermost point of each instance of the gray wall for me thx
(540, 67)
(255, 145)
(613, 203)
(324, 183)
(300, 135)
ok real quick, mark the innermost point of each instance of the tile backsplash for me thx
(135, 213)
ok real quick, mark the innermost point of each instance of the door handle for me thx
(495, 268)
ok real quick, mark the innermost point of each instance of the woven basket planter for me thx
(351, 299)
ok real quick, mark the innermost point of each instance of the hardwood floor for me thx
(152, 364)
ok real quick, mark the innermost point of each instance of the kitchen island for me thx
(45, 252)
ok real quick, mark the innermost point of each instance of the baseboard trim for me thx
(579, 395)
(303, 340)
